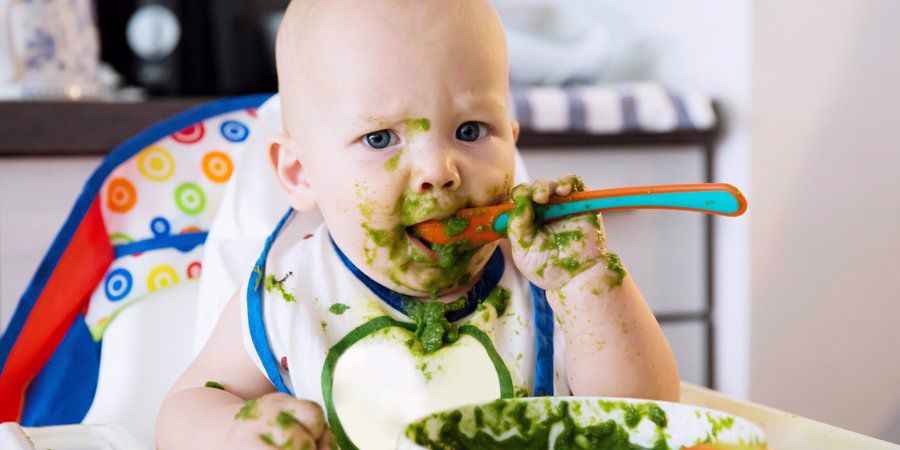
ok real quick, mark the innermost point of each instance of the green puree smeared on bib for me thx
(433, 330)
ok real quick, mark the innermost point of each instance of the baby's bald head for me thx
(389, 104)
(334, 53)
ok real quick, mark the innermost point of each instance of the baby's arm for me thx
(208, 406)
(614, 346)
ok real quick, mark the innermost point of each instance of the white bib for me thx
(318, 332)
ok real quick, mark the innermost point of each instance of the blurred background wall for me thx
(705, 45)
(826, 217)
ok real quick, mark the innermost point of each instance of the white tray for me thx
(67, 437)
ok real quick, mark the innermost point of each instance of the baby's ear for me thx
(515, 130)
(284, 155)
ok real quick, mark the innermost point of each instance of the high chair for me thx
(118, 307)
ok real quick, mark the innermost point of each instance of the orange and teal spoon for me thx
(484, 224)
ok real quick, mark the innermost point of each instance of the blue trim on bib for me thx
(543, 337)
(255, 321)
(490, 277)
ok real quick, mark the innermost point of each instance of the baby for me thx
(397, 112)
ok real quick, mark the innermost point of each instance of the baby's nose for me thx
(436, 175)
(449, 184)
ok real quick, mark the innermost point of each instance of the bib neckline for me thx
(490, 277)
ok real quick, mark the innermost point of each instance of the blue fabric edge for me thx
(63, 391)
(184, 242)
(543, 337)
(117, 156)
(255, 322)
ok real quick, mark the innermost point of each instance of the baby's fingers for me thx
(521, 218)
(541, 190)
(568, 184)
(327, 442)
(310, 416)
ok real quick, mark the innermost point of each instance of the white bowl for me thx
(540, 422)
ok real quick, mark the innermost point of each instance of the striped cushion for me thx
(596, 109)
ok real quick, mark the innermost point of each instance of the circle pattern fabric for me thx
(119, 239)
(118, 284)
(160, 226)
(170, 187)
(162, 276)
(190, 135)
(193, 270)
(234, 131)
(120, 195)
(190, 199)
(217, 166)
(156, 163)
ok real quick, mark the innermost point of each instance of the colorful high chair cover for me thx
(138, 227)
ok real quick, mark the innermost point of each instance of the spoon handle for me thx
(489, 223)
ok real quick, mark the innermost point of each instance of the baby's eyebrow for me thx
(471, 100)
(369, 121)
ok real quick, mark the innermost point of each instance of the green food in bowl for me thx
(563, 423)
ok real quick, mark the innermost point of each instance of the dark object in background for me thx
(192, 47)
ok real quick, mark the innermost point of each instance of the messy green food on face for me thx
(499, 299)
(561, 240)
(505, 424)
(414, 208)
(249, 411)
(614, 264)
(277, 285)
(452, 264)
(454, 225)
(416, 126)
(366, 206)
(391, 164)
(214, 385)
(285, 419)
(433, 330)
(450, 268)
(338, 308)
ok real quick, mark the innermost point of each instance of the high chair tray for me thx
(67, 437)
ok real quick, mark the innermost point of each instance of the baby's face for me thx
(407, 121)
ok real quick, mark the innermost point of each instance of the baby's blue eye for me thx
(471, 131)
(379, 139)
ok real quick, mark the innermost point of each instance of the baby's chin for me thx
(450, 271)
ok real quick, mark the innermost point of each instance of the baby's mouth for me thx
(420, 244)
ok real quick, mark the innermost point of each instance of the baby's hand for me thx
(551, 254)
(280, 421)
